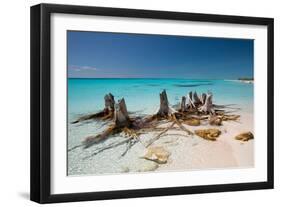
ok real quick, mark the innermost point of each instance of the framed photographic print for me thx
(132, 103)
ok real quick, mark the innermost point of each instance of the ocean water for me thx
(142, 95)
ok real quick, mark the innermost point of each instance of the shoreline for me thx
(247, 81)
(242, 81)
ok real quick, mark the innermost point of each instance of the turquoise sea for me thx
(142, 95)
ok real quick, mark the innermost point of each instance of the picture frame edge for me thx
(40, 105)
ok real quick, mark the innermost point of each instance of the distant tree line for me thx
(246, 79)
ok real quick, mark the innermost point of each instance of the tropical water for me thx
(142, 95)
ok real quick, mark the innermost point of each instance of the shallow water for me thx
(142, 95)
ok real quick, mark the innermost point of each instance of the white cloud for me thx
(82, 68)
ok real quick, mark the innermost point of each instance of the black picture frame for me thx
(41, 97)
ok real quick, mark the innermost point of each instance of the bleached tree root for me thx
(121, 117)
(192, 107)
(183, 107)
(110, 146)
(207, 108)
(203, 98)
(191, 104)
(196, 99)
(106, 113)
(89, 141)
(75, 147)
(121, 122)
(150, 142)
(131, 139)
(89, 117)
(181, 126)
(230, 117)
(174, 134)
(164, 104)
(130, 144)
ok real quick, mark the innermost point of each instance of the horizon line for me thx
(158, 78)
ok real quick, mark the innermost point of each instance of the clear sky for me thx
(117, 55)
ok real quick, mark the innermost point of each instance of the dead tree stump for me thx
(121, 117)
(196, 99)
(183, 104)
(208, 107)
(164, 104)
(106, 113)
(109, 102)
(121, 120)
(197, 108)
(190, 104)
(203, 98)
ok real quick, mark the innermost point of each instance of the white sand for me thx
(187, 153)
(226, 152)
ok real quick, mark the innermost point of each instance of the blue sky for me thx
(117, 55)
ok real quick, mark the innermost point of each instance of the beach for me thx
(185, 152)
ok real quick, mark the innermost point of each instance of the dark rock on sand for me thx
(246, 136)
(209, 134)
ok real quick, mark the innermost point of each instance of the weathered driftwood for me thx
(109, 102)
(110, 146)
(121, 120)
(218, 118)
(75, 147)
(88, 117)
(230, 117)
(207, 108)
(173, 134)
(90, 140)
(129, 143)
(193, 109)
(196, 99)
(106, 113)
(163, 113)
(181, 126)
(131, 139)
(199, 117)
(203, 98)
(215, 120)
(121, 117)
(192, 122)
(171, 115)
(190, 104)
(164, 105)
(134, 139)
(151, 141)
(199, 109)
(183, 107)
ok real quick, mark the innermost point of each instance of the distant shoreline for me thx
(249, 81)
(246, 80)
